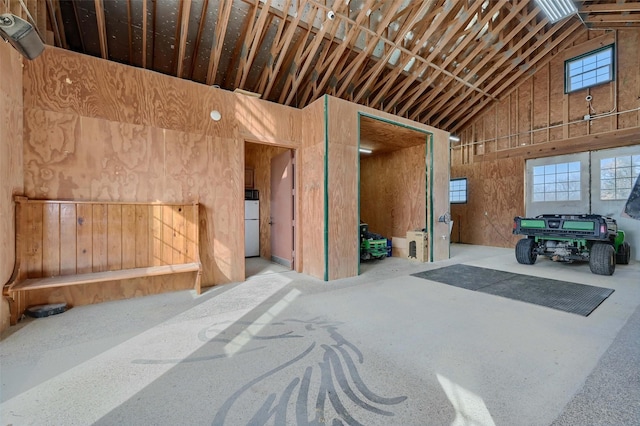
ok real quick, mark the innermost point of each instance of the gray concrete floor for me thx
(383, 348)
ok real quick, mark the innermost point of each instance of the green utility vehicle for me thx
(372, 245)
(568, 238)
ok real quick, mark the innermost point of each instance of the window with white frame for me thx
(458, 191)
(556, 182)
(617, 176)
(589, 70)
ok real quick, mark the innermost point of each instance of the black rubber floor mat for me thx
(575, 298)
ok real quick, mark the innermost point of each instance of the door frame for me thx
(429, 218)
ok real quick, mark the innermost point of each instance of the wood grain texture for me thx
(101, 131)
(310, 251)
(393, 191)
(11, 154)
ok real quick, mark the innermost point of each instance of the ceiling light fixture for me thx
(557, 9)
(365, 151)
(453, 138)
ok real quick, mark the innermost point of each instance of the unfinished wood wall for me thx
(258, 157)
(392, 191)
(11, 170)
(538, 119)
(102, 131)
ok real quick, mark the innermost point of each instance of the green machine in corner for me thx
(372, 246)
(568, 238)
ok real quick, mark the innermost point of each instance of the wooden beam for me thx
(196, 47)
(611, 139)
(256, 35)
(279, 49)
(102, 29)
(144, 33)
(53, 18)
(129, 31)
(224, 12)
(611, 7)
(565, 37)
(327, 67)
(184, 33)
(633, 18)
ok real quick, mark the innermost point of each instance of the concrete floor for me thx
(383, 348)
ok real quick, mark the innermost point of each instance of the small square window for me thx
(458, 191)
(589, 70)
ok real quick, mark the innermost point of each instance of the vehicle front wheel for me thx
(602, 259)
(624, 254)
(525, 253)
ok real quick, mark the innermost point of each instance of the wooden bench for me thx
(60, 244)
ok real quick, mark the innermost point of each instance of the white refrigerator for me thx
(251, 228)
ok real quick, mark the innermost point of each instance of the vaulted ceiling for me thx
(434, 61)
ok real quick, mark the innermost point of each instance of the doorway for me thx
(270, 181)
(394, 175)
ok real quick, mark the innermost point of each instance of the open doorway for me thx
(394, 180)
(269, 209)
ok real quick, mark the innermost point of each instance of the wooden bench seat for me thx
(62, 244)
(96, 277)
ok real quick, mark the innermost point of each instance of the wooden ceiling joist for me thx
(185, 10)
(224, 12)
(102, 29)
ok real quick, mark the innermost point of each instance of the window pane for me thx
(623, 161)
(608, 194)
(574, 167)
(562, 168)
(538, 179)
(550, 196)
(574, 196)
(562, 196)
(622, 194)
(607, 163)
(550, 169)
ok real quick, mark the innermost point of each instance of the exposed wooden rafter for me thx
(102, 29)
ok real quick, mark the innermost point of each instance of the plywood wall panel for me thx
(503, 131)
(311, 192)
(541, 105)
(393, 191)
(34, 246)
(628, 74)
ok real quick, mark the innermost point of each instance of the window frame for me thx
(466, 190)
(552, 179)
(615, 179)
(584, 55)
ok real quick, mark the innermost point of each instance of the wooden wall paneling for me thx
(156, 231)
(311, 224)
(343, 161)
(392, 191)
(143, 239)
(100, 248)
(440, 195)
(35, 232)
(128, 236)
(513, 119)
(603, 102)
(84, 245)
(50, 156)
(225, 224)
(628, 75)
(502, 124)
(490, 130)
(51, 239)
(179, 235)
(540, 110)
(556, 100)
(191, 235)
(68, 239)
(114, 237)
(524, 114)
(167, 235)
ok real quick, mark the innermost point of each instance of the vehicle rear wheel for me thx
(602, 259)
(525, 253)
(624, 254)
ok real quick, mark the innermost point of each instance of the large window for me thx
(556, 182)
(458, 191)
(589, 70)
(617, 176)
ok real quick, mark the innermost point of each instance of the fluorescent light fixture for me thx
(557, 9)
(453, 138)
(365, 151)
